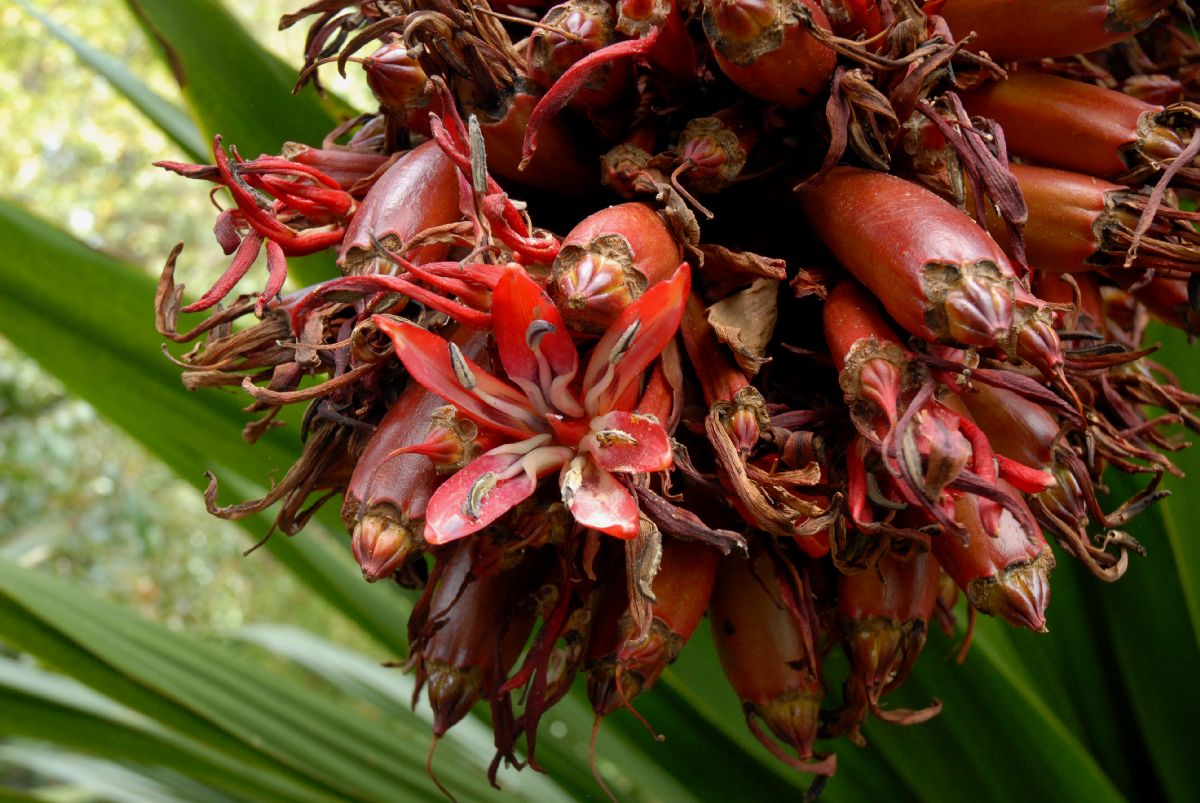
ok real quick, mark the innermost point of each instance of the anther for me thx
(536, 331)
(479, 174)
(624, 342)
(473, 507)
(462, 371)
(612, 437)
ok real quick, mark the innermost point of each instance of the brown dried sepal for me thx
(323, 465)
(745, 321)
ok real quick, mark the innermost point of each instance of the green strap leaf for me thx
(233, 86)
(87, 319)
(165, 114)
(223, 700)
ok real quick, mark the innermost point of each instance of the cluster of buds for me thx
(878, 365)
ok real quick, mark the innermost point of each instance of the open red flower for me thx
(586, 429)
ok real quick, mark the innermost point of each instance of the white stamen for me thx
(479, 174)
(591, 402)
(550, 387)
(532, 392)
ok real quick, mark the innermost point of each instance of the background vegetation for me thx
(142, 658)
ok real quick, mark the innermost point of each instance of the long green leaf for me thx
(390, 692)
(227, 702)
(39, 705)
(166, 115)
(1177, 517)
(13, 796)
(236, 88)
(1156, 649)
(90, 778)
(1154, 615)
(87, 319)
(233, 86)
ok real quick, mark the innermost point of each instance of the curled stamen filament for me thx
(466, 378)
(592, 400)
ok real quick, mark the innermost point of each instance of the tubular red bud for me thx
(766, 633)
(607, 261)
(1065, 124)
(1017, 428)
(394, 77)
(766, 48)
(1078, 223)
(902, 592)
(592, 26)
(418, 192)
(673, 53)
(384, 507)
(713, 150)
(483, 622)
(939, 275)
(561, 163)
(682, 589)
(873, 367)
(1004, 572)
(884, 615)
(1024, 30)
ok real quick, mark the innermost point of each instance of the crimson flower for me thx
(586, 429)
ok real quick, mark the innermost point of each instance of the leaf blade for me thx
(170, 118)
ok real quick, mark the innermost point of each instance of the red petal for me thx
(573, 80)
(447, 517)
(597, 500)
(262, 221)
(516, 303)
(427, 358)
(621, 441)
(247, 252)
(1022, 477)
(658, 312)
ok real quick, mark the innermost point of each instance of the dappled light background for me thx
(77, 496)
